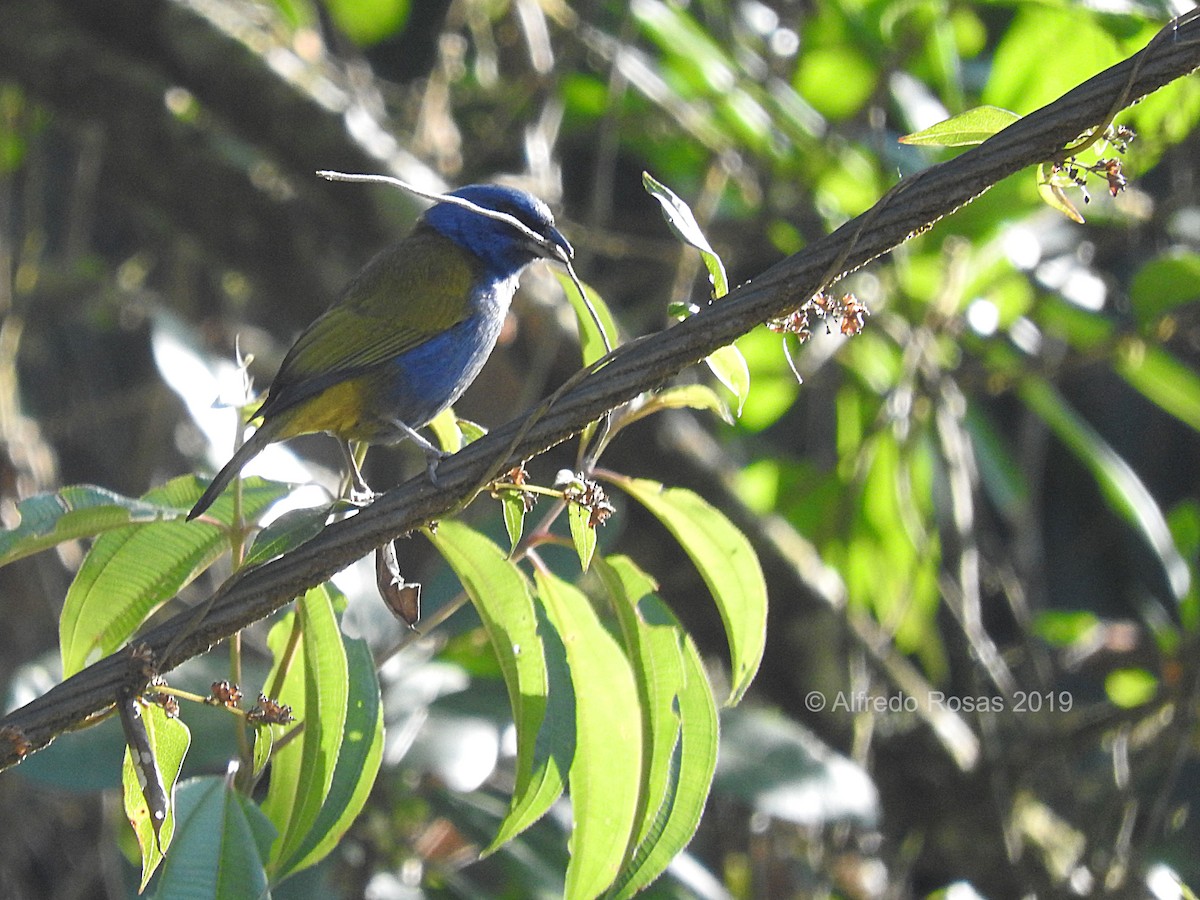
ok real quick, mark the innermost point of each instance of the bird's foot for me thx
(433, 457)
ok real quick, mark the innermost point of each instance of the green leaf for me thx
(1162, 378)
(326, 699)
(683, 223)
(1129, 688)
(606, 769)
(1124, 492)
(79, 511)
(501, 595)
(971, 127)
(726, 562)
(221, 840)
(1050, 189)
(683, 396)
(359, 755)
(286, 533)
(583, 535)
(445, 430)
(368, 22)
(679, 720)
(513, 506)
(169, 740)
(728, 364)
(1164, 284)
(131, 570)
(591, 337)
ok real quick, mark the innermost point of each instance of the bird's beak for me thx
(558, 247)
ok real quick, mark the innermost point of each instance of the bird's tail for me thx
(244, 454)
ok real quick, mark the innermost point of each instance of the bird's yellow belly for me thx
(340, 410)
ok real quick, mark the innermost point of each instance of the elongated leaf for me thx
(971, 127)
(606, 771)
(221, 841)
(679, 720)
(131, 570)
(74, 512)
(1050, 189)
(583, 534)
(326, 698)
(358, 758)
(514, 518)
(287, 533)
(1124, 492)
(728, 364)
(168, 741)
(591, 337)
(502, 598)
(683, 223)
(285, 683)
(1164, 284)
(1163, 379)
(726, 562)
(683, 396)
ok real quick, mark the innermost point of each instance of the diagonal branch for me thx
(913, 206)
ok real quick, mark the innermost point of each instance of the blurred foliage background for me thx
(979, 519)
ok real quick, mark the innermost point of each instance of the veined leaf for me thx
(131, 570)
(326, 698)
(583, 534)
(679, 719)
(78, 511)
(286, 533)
(726, 562)
(1050, 189)
(168, 740)
(606, 769)
(683, 396)
(591, 338)
(514, 518)
(1125, 493)
(1163, 379)
(221, 841)
(683, 223)
(971, 127)
(502, 598)
(358, 759)
(728, 364)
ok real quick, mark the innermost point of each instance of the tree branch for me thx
(913, 206)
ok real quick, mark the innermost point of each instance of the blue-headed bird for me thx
(409, 333)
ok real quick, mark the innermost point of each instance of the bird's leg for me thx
(360, 492)
(433, 455)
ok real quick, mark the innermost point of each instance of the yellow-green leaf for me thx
(971, 127)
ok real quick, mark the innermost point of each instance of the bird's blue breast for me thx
(426, 379)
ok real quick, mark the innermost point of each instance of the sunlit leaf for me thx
(326, 699)
(683, 223)
(1051, 191)
(74, 512)
(591, 338)
(606, 767)
(728, 364)
(1163, 284)
(971, 127)
(368, 22)
(1128, 688)
(359, 756)
(169, 740)
(513, 507)
(129, 571)
(679, 720)
(683, 396)
(726, 562)
(583, 534)
(501, 595)
(1163, 379)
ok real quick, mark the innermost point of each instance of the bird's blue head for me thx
(504, 248)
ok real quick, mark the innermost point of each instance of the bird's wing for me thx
(408, 294)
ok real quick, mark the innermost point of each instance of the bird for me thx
(410, 332)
